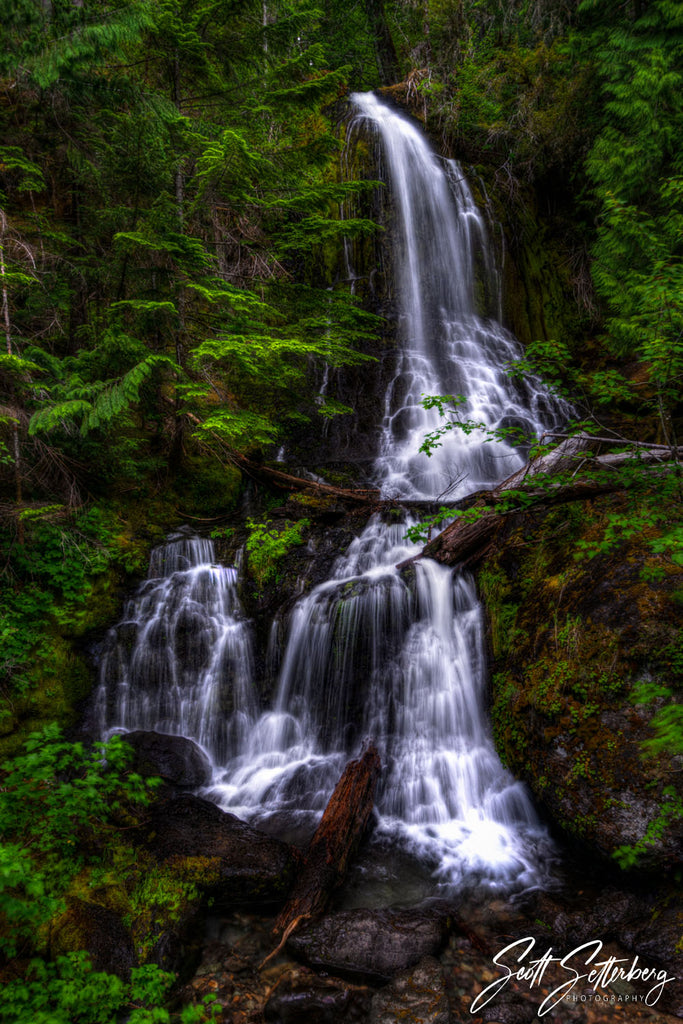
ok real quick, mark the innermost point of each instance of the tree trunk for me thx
(16, 443)
(385, 51)
(336, 839)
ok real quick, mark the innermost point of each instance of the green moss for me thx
(206, 488)
(107, 886)
(57, 682)
(502, 612)
(149, 898)
(315, 502)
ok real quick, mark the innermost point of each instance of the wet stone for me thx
(177, 760)
(372, 945)
(252, 867)
(311, 1000)
(418, 994)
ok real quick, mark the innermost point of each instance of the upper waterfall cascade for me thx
(367, 654)
(445, 347)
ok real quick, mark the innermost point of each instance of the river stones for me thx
(418, 994)
(371, 945)
(251, 866)
(175, 759)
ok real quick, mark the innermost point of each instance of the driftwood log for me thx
(581, 474)
(335, 841)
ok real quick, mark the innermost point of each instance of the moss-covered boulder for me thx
(246, 865)
(97, 930)
(587, 678)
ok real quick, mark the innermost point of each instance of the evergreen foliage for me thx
(636, 168)
(191, 144)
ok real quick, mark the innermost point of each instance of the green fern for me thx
(109, 399)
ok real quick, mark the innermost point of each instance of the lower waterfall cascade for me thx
(373, 652)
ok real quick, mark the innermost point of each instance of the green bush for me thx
(267, 545)
(58, 805)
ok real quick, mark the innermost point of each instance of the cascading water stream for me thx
(445, 348)
(374, 652)
(180, 661)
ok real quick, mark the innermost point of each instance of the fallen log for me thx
(581, 474)
(335, 841)
(290, 483)
(464, 542)
(287, 481)
(578, 454)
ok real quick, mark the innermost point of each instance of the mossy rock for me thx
(97, 930)
(60, 679)
(159, 907)
(166, 909)
(245, 865)
(206, 489)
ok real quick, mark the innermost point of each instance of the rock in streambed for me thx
(372, 945)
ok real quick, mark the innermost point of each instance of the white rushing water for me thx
(370, 654)
(181, 660)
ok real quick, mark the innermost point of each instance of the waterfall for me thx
(445, 348)
(373, 652)
(180, 661)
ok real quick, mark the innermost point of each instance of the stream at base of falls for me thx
(374, 653)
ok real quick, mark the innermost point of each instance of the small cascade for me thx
(371, 655)
(181, 659)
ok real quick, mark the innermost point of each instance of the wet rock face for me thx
(586, 653)
(371, 945)
(252, 867)
(178, 761)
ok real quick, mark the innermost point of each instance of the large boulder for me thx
(371, 945)
(243, 865)
(175, 759)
